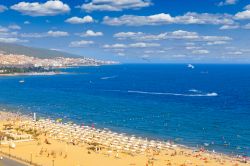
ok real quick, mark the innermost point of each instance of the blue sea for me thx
(208, 105)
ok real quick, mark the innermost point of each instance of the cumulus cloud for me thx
(46, 34)
(114, 5)
(6, 33)
(144, 45)
(81, 43)
(200, 51)
(26, 22)
(235, 53)
(78, 20)
(11, 40)
(3, 29)
(215, 38)
(14, 27)
(49, 8)
(180, 34)
(57, 33)
(227, 2)
(3, 8)
(121, 54)
(90, 33)
(244, 14)
(133, 45)
(192, 47)
(161, 51)
(115, 46)
(177, 35)
(33, 35)
(247, 26)
(125, 35)
(216, 43)
(225, 27)
(162, 18)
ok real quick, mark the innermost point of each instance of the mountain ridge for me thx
(10, 48)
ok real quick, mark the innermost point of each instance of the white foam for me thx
(106, 78)
(194, 90)
(176, 94)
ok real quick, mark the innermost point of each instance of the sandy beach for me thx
(51, 142)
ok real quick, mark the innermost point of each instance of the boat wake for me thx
(106, 78)
(194, 94)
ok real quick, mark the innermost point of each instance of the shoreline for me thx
(34, 74)
(53, 119)
(46, 125)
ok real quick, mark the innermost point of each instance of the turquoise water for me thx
(209, 104)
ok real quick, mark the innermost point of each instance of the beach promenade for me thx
(51, 142)
(9, 162)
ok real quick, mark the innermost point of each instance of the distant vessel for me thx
(21, 81)
(190, 66)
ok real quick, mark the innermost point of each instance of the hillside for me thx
(34, 52)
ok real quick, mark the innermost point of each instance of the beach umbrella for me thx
(59, 120)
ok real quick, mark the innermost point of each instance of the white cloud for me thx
(179, 56)
(215, 38)
(78, 20)
(216, 43)
(132, 20)
(133, 45)
(3, 8)
(121, 54)
(244, 14)
(192, 47)
(26, 22)
(162, 18)
(115, 46)
(56, 49)
(125, 35)
(247, 7)
(235, 53)
(57, 33)
(200, 51)
(144, 45)
(139, 36)
(227, 2)
(115, 5)
(81, 43)
(33, 35)
(145, 56)
(225, 27)
(247, 26)
(178, 34)
(3, 29)
(11, 40)
(49, 8)
(155, 51)
(6, 33)
(46, 34)
(90, 33)
(15, 27)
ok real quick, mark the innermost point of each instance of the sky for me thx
(133, 31)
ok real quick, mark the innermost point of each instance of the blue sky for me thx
(139, 31)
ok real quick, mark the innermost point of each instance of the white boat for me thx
(21, 81)
(190, 66)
